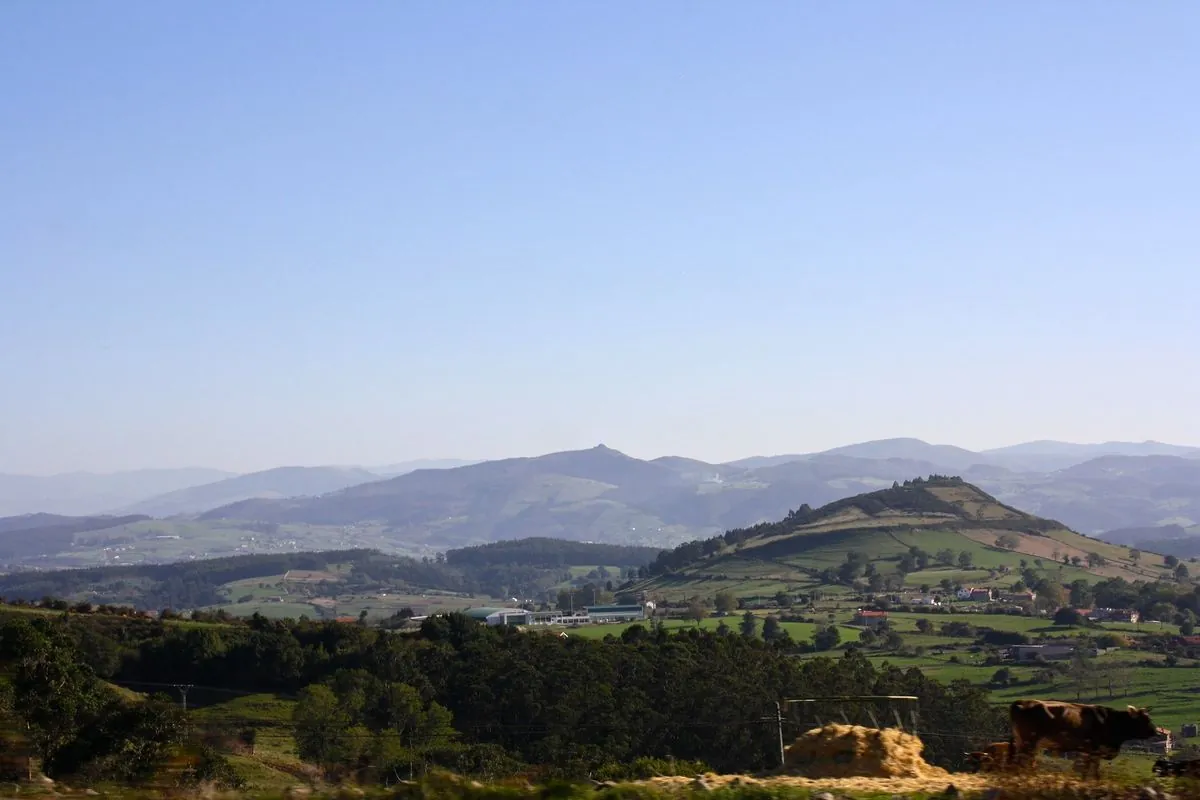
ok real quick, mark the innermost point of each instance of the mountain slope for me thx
(280, 482)
(405, 467)
(947, 455)
(1113, 492)
(1049, 456)
(35, 534)
(595, 495)
(910, 449)
(809, 549)
(78, 493)
(604, 495)
(1085, 452)
(580, 494)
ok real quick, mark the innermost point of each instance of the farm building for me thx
(509, 616)
(1113, 615)
(483, 612)
(871, 619)
(630, 613)
(1022, 653)
(592, 614)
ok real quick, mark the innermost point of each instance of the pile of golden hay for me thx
(850, 758)
(848, 751)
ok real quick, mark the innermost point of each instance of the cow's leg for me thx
(1028, 756)
(1021, 752)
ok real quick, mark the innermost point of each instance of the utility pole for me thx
(779, 726)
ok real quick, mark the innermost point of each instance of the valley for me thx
(878, 589)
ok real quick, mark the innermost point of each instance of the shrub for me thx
(1003, 638)
(214, 769)
(641, 769)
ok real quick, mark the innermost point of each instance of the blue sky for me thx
(249, 234)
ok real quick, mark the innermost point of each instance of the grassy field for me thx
(792, 561)
(175, 623)
(164, 540)
(1139, 678)
(317, 596)
(771, 568)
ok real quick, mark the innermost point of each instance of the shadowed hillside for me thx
(34, 534)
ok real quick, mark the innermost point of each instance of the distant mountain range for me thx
(165, 492)
(1039, 456)
(280, 482)
(601, 494)
(91, 493)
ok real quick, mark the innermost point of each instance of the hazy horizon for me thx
(645, 457)
(241, 236)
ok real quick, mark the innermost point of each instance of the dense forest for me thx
(454, 693)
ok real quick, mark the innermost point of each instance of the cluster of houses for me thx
(869, 618)
(965, 594)
(591, 615)
(1109, 614)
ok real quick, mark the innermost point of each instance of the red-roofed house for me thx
(871, 619)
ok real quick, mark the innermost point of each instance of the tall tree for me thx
(322, 726)
(725, 602)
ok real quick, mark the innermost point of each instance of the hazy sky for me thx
(249, 234)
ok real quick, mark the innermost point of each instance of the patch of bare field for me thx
(1044, 547)
(880, 521)
(310, 576)
(971, 503)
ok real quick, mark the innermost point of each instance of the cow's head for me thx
(1140, 726)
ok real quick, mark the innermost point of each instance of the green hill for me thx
(240, 584)
(923, 532)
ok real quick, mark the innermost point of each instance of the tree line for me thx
(472, 697)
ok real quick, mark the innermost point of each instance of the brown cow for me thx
(1093, 731)
(992, 758)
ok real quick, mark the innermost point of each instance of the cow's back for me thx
(1066, 725)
